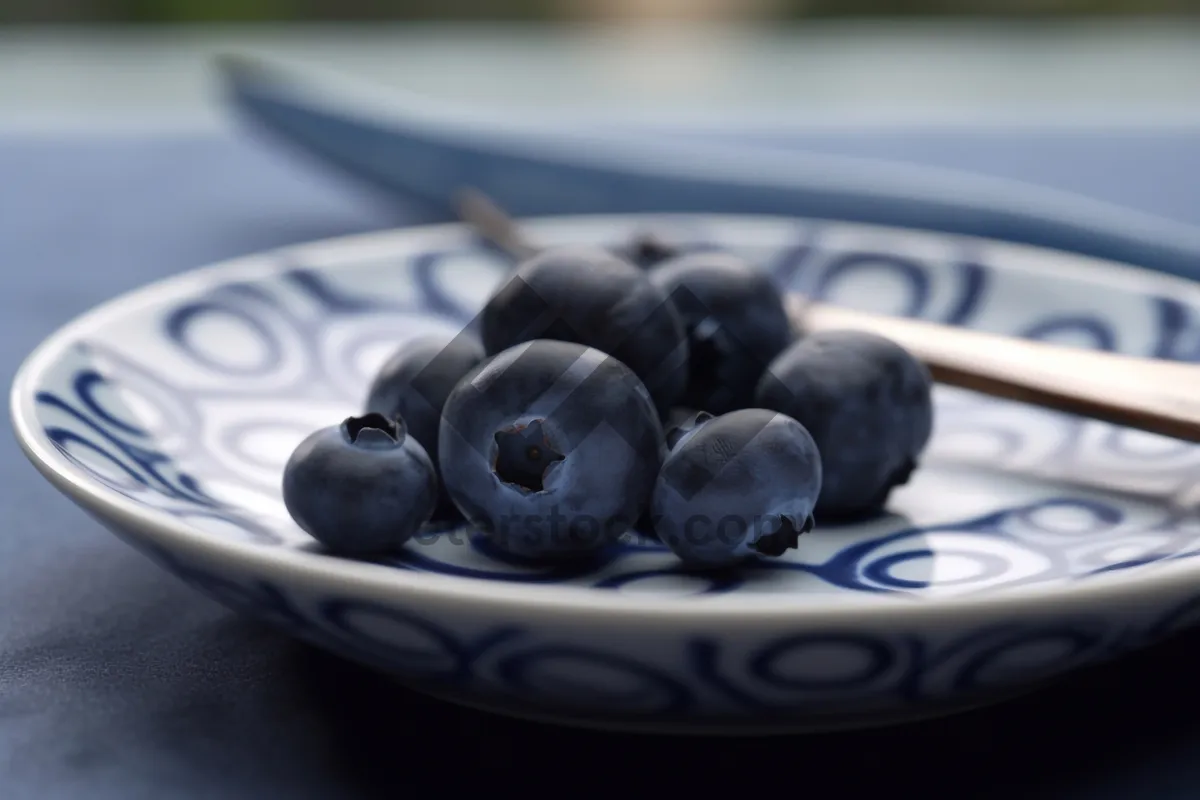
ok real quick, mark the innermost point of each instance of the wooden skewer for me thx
(1152, 395)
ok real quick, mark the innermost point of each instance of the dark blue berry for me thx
(737, 486)
(868, 404)
(736, 323)
(551, 449)
(413, 384)
(360, 488)
(590, 296)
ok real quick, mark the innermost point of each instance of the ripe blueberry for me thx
(736, 324)
(551, 448)
(591, 297)
(868, 404)
(360, 488)
(735, 486)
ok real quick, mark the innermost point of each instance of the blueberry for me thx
(736, 486)
(413, 384)
(362, 487)
(551, 449)
(868, 404)
(736, 323)
(592, 297)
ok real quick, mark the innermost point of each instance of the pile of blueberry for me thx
(602, 391)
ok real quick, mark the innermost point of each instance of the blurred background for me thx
(819, 62)
(1098, 97)
(185, 11)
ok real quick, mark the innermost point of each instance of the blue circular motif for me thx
(717, 583)
(653, 692)
(63, 439)
(180, 320)
(430, 651)
(877, 657)
(912, 273)
(880, 571)
(1116, 442)
(233, 439)
(1098, 517)
(1075, 643)
(424, 270)
(1096, 331)
(86, 383)
(1178, 330)
(973, 278)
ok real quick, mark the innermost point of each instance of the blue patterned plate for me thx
(1029, 543)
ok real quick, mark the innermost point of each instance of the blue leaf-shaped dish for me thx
(414, 148)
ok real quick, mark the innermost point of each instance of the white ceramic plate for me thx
(1027, 545)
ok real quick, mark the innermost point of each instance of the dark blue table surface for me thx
(118, 682)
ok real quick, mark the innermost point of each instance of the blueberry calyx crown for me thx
(373, 430)
(524, 455)
(786, 538)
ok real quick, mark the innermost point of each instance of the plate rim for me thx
(1101, 591)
